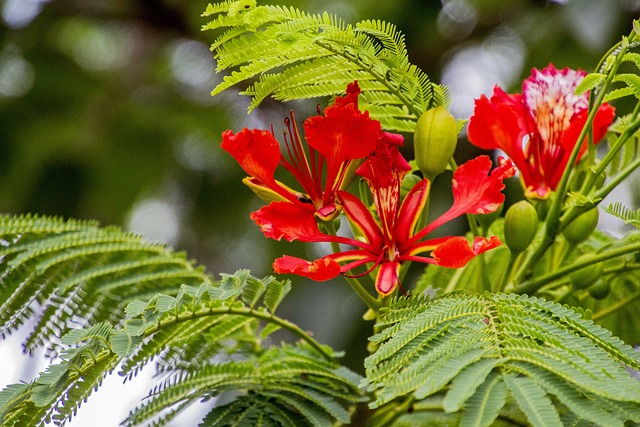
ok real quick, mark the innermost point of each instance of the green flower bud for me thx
(600, 290)
(581, 227)
(434, 141)
(587, 276)
(520, 226)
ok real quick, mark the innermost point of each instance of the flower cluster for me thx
(539, 128)
(384, 239)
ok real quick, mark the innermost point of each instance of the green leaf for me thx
(589, 82)
(465, 345)
(533, 401)
(296, 55)
(484, 406)
(464, 385)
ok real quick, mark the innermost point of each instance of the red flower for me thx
(392, 239)
(539, 128)
(342, 135)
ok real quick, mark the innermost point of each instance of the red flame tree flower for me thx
(385, 243)
(334, 140)
(539, 128)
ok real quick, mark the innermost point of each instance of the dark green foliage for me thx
(79, 273)
(482, 351)
(296, 55)
(207, 340)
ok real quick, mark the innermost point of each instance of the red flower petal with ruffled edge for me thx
(474, 191)
(257, 152)
(291, 221)
(387, 166)
(501, 122)
(361, 218)
(320, 270)
(456, 252)
(343, 133)
(410, 211)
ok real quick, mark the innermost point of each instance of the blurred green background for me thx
(105, 113)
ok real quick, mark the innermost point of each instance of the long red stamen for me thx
(301, 168)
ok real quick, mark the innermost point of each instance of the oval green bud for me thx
(434, 141)
(581, 227)
(587, 276)
(600, 290)
(520, 226)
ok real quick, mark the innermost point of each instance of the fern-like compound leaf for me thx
(207, 340)
(626, 214)
(289, 54)
(483, 351)
(78, 273)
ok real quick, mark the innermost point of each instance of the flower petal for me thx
(474, 192)
(386, 166)
(501, 122)
(291, 221)
(257, 152)
(456, 252)
(319, 270)
(361, 218)
(410, 210)
(343, 133)
(387, 279)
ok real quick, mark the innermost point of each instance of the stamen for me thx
(369, 270)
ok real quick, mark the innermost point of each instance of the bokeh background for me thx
(105, 113)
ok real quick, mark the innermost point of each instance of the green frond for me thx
(288, 54)
(525, 350)
(206, 340)
(79, 274)
(632, 81)
(254, 410)
(483, 407)
(618, 93)
(590, 82)
(533, 401)
(291, 380)
(626, 214)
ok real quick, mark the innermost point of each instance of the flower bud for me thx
(581, 227)
(520, 226)
(600, 290)
(587, 276)
(434, 140)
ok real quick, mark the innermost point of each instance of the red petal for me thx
(353, 90)
(291, 221)
(257, 152)
(387, 166)
(456, 252)
(604, 117)
(475, 192)
(343, 133)
(319, 270)
(502, 122)
(387, 279)
(410, 211)
(360, 217)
